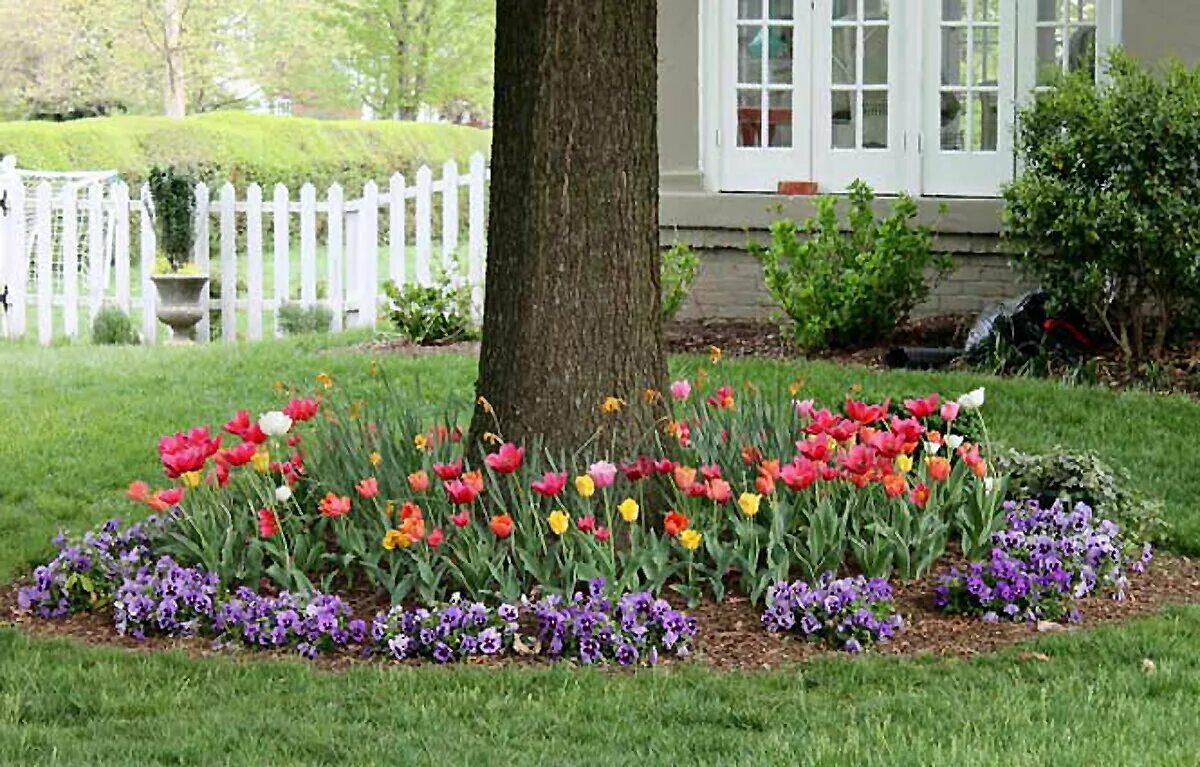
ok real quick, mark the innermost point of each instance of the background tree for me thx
(407, 53)
(572, 313)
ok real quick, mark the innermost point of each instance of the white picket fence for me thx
(74, 253)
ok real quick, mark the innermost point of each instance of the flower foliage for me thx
(1041, 563)
(852, 613)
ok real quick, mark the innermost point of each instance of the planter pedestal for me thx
(180, 303)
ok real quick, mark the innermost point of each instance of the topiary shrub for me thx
(112, 327)
(852, 287)
(297, 319)
(678, 270)
(1106, 213)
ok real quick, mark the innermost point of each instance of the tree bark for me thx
(572, 313)
(174, 96)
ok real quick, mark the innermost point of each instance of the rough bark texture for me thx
(174, 95)
(572, 314)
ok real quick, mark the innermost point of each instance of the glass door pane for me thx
(859, 64)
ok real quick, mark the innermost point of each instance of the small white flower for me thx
(274, 423)
(972, 400)
(932, 447)
(953, 441)
(988, 484)
(283, 493)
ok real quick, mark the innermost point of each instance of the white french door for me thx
(970, 86)
(860, 93)
(766, 104)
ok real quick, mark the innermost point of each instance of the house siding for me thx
(729, 285)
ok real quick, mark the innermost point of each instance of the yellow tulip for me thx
(261, 460)
(748, 503)
(690, 539)
(191, 478)
(559, 522)
(420, 442)
(628, 510)
(585, 486)
(904, 463)
(393, 539)
(375, 458)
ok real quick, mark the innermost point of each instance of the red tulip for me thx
(460, 492)
(239, 423)
(474, 479)
(711, 471)
(333, 505)
(368, 487)
(138, 491)
(300, 409)
(922, 408)
(461, 519)
(602, 533)
(434, 539)
(894, 485)
(501, 525)
(664, 466)
(799, 474)
(674, 523)
(268, 523)
(170, 496)
(506, 459)
(586, 524)
(448, 471)
(718, 490)
(919, 495)
(864, 413)
(241, 453)
(550, 484)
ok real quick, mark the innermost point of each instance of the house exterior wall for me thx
(730, 285)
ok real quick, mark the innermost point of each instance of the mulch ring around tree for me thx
(731, 637)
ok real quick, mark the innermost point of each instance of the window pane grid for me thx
(765, 36)
(1066, 39)
(970, 93)
(859, 68)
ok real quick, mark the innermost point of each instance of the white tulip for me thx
(988, 484)
(953, 441)
(283, 493)
(972, 400)
(932, 448)
(274, 423)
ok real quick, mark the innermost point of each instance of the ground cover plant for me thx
(78, 704)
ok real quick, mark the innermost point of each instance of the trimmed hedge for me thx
(243, 147)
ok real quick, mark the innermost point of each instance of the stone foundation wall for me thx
(729, 285)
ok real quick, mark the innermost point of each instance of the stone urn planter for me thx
(180, 303)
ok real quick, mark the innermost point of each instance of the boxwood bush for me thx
(243, 148)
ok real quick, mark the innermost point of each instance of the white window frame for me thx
(913, 161)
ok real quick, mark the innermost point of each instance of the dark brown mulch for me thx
(731, 637)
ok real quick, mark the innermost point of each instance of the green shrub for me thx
(242, 148)
(174, 195)
(112, 327)
(296, 319)
(1077, 477)
(1106, 215)
(847, 288)
(678, 270)
(437, 314)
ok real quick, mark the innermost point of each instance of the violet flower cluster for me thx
(311, 622)
(635, 629)
(165, 598)
(445, 633)
(84, 573)
(852, 613)
(1041, 563)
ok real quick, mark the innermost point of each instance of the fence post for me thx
(279, 218)
(254, 262)
(45, 285)
(450, 216)
(149, 249)
(424, 225)
(476, 248)
(308, 245)
(228, 265)
(121, 207)
(69, 240)
(97, 255)
(396, 227)
(201, 255)
(368, 254)
(14, 264)
(333, 251)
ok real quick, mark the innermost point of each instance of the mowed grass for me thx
(77, 423)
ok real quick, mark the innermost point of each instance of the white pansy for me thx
(972, 400)
(274, 423)
(953, 441)
(283, 493)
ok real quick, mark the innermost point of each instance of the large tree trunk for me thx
(572, 311)
(174, 97)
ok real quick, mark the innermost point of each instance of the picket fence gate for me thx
(73, 253)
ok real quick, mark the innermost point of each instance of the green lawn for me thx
(78, 423)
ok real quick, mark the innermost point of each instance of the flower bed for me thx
(503, 554)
